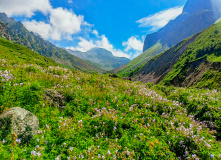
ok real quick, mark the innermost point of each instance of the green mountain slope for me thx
(16, 32)
(201, 63)
(101, 57)
(195, 61)
(22, 55)
(129, 68)
(94, 116)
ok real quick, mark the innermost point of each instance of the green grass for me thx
(20, 54)
(214, 58)
(207, 45)
(138, 61)
(105, 116)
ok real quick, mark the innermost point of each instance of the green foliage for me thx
(104, 116)
(131, 68)
(206, 46)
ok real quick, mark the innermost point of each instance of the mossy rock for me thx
(20, 122)
(55, 98)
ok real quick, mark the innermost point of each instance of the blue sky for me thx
(116, 25)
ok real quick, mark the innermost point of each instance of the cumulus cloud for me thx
(24, 7)
(41, 28)
(102, 42)
(133, 43)
(160, 19)
(63, 24)
(66, 21)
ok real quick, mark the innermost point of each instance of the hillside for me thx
(21, 55)
(128, 69)
(195, 61)
(94, 116)
(101, 57)
(16, 32)
(197, 15)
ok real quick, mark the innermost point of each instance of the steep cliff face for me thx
(195, 61)
(4, 32)
(197, 15)
(195, 6)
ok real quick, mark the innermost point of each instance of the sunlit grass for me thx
(105, 118)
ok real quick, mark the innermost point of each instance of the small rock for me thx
(20, 122)
(55, 98)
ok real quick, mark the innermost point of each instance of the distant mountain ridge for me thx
(197, 15)
(16, 32)
(101, 57)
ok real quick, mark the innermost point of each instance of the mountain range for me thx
(197, 15)
(17, 33)
(101, 58)
(186, 52)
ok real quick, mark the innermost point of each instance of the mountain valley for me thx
(60, 104)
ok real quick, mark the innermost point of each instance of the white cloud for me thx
(95, 32)
(102, 42)
(133, 43)
(66, 21)
(62, 25)
(45, 30)
(85, 45)
(160, 19)
(70, 1)
(24, 7)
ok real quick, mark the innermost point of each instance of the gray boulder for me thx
(20, 122)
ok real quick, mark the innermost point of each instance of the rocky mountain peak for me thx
(194, 6)
(100, 51)
(197, 16)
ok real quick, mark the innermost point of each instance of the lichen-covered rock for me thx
(55, 98)
(20, 122)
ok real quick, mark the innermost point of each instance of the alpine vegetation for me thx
(103, 117)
